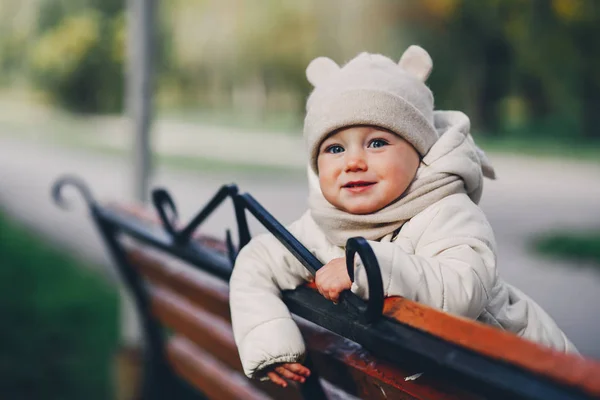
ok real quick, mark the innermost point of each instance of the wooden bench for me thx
(191, 308)
(407, 350)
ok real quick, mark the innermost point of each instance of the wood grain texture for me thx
(211, 333)
(207, 374)
(572, 370)
(203, 328)
(183, 281)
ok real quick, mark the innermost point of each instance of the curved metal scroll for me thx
(77, 183)
(163, 202)
(361, 246)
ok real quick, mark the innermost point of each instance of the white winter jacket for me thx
(445, 257)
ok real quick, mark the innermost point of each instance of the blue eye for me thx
(334, 149)
(377, 143)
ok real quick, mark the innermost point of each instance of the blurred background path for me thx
(530, 196)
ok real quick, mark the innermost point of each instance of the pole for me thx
(138, 103)
(139, 87)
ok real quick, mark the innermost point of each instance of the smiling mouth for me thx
(358, 186)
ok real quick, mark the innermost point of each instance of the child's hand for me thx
(333, 279)
(292, 371)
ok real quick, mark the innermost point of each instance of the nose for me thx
(355, 161)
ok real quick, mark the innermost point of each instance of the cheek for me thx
(327, 172)
(401, 173)
(412, 165)
(322, 181)
(408, 169)
(325, 180)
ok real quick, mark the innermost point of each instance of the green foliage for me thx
(583, 246)
(59, 323)
(78, 59)
(539, 51)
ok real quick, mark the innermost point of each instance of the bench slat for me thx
(569, 369)
(211, 333)
(207, 374)
(203, 328)
(159, 270)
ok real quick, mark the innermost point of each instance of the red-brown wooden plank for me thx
(203, 328)
(184, 281)
(209, 332)
(207, 374)
(501, 345)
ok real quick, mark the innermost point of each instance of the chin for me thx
(360, 209)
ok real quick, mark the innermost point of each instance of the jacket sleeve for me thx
(452, 266)
(263, 328)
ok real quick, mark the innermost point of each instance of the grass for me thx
(579, 246)
(59, 322)
(200, 164)
(279, 122)
(215, 165)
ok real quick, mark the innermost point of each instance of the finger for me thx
(329, 285)
(324, 275)
(320, 287)
(319, 284)
(325, 293)
(286, 373)
(320, 290)
(322, 279)
(334, 295)
(299, 369)
(276, 379)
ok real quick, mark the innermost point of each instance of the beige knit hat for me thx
(371, 89)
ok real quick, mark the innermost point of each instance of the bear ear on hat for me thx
(320, 69)
(417, 62)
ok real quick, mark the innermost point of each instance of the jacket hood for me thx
(456, 153)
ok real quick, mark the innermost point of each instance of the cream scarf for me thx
(453, 165)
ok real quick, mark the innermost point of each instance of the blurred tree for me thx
(53, 12)
(17, 28)
(276, 45)
(556, 47)
(78, 58)
(472, 61)
(495, 52)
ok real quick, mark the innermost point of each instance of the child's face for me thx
(363, 169)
